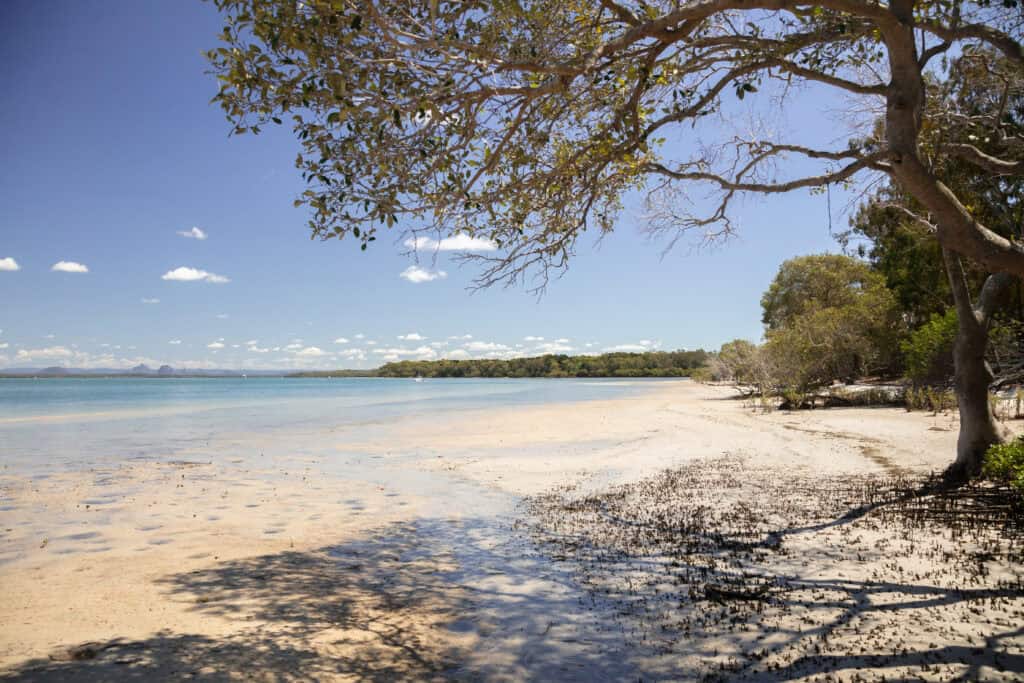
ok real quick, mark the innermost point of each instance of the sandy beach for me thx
(496, 545)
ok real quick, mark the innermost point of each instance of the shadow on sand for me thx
(425, 600)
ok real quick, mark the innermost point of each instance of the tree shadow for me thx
(757, 574)
(423, 600)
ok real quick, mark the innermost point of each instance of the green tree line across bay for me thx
(619, 364)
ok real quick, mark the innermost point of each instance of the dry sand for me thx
(417, 562)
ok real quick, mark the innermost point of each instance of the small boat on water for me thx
(417, 378)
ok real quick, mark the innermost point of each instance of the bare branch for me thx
(986, 162)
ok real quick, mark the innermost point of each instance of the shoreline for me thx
(357, 547)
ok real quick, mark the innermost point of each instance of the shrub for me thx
(1005, 462)
(929, 398)
(928, 352)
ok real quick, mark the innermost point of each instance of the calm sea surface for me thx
(52, 424)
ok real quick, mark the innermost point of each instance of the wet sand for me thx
(450, 548)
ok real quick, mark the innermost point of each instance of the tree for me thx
(828, 317)
(526, 122)
(743, 363)
(986, 88)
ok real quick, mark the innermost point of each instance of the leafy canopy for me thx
(526, 122)
(829, 317)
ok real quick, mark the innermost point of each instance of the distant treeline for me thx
(650, 364)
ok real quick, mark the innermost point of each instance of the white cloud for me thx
(465, 336)
(47, 353)
(187, 274)
(639, 347)
(294, 346)
(553, 347)
(360, 336)
(563, 340)
(412, 336)
(215, 345)
(533, 339)
(252, 342)
(69, 267)
(194, 234)
(4, 345)
(223, 316)
(174, 341)
(460, 242)
(352, 354)
(50, 336)
(311, 352)
(479, 346)
(420, 353)
(416, 275)
(150, 301)
(458, 354)
(341, 340)
(9, 264)
(61, 355)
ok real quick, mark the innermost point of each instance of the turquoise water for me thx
(49, 424)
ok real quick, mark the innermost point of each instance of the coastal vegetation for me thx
(649, 364)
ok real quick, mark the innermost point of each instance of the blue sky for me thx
(112, 150)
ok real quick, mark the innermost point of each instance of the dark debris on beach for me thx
(719, 570)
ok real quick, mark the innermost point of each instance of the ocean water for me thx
(54, 424)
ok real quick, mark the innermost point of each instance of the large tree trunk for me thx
(979, 428)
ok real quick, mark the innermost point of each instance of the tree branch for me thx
(986, 162)
(769, 188)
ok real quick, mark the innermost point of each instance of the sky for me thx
(133, 229)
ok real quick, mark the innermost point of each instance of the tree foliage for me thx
(828, 317)
(650, 364)
(527, 122)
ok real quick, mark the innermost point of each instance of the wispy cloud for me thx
(9, 264)
(341, 340)
(187, 274)
(462, 337)
(412, 336)
(174, 341)
(47, 353)
(416, 275)
(193, 234)
(533, 339)
(420, 353)
(460, 242)
(557, 346)
(311, 352)
(215, 345)
(223, 316)
(639, 347)
(69, 267)
(150, 301)
(478, 346)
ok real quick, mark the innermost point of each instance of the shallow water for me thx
(51, 425)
